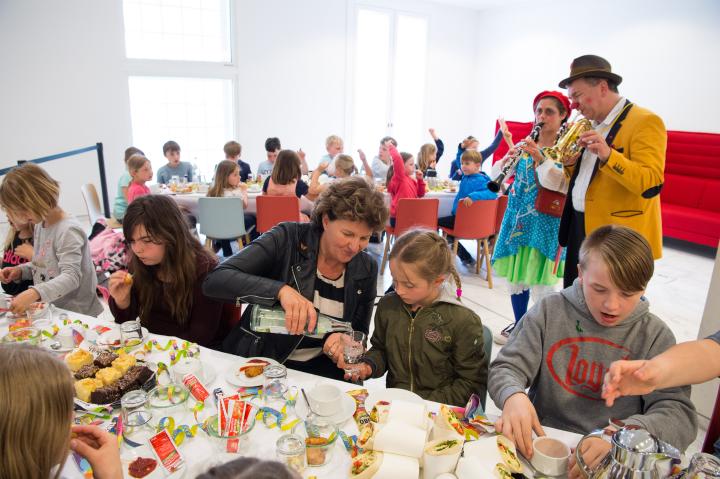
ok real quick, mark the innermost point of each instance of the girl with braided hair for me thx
(442, 358)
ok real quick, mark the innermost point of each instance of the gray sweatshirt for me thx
(62, 269)
(561, 354)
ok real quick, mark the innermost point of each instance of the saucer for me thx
(347, 409)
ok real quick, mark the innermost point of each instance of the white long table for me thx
(190, 201)
(199, 452)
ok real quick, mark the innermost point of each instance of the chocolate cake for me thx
(106, 394)
(87, 371)
(104, 360)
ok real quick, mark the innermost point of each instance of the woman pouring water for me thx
(306, 268)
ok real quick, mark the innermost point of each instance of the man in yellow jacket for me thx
(618, 177)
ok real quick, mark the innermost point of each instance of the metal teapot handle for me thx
(590, 473)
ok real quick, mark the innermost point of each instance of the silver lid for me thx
(636, 440)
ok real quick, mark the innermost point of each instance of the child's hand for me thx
(432, 133)
(24, 250)
(418, 175)
(20, 303)
(323, 166)
(363, 158)
(467, 201)
(593, 450)
(100, 449)
(388, 144)
(301, 154)
(10, 274)
(518, 421)
(119, 285)
(299, 312)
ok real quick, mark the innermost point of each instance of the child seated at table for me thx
(473, 187)
(442, 357)
(430, 154)
(233, 149)
(62, 270)
(141, 172)
(344, 168)
(174, 167)
(121, 199)
(227, 184)
(334, 146)
(562, 347)
(272, 148)
(168, 268)
(471, 143)
(18, 250)
(36, 420)
(286, 179)
(403, 181)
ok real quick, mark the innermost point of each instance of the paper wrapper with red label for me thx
(233, 418)
(198, 391)
(167, 453)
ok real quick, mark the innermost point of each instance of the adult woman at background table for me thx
(306, 267)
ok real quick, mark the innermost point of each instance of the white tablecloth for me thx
(190, 201)
(199, 452)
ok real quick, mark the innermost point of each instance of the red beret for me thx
(555, 94)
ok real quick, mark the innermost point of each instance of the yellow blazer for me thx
(626, 189)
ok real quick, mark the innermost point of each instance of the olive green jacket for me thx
(438, 355)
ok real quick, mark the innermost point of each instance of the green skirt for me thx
(529, 267)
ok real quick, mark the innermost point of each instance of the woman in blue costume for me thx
(526, 247)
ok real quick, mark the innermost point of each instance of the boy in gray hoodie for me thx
(564, 345)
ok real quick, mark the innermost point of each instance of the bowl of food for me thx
(28, 335)
(228, 438)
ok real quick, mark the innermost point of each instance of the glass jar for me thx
(131, 333)
(319, 435)
(136, 416)
(225, 442)
(290, 450)
(167, 401)
(275, 382)
(28, 335)
(703, 466)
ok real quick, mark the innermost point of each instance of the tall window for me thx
(195, 112)
(389, 78)
(165, 40)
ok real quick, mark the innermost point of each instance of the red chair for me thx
(713, 432)
(411, 213)
(477, 222)
(272, 210)
(502, 207)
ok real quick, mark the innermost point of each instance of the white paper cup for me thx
(550, 456)
(65, 337)
(324, 399)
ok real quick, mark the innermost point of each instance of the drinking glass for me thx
(136, 415)
(131, 333)
(353, 349)
(703, 466)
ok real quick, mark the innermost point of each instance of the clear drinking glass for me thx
(131, 333)
(353, 349)
(703, 466)
(136, 416)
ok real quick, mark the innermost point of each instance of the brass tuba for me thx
(568, 145)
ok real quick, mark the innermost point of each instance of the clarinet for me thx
(512, 161)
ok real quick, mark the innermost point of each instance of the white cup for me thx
(324, 399)
(550, 456)
(186, 366)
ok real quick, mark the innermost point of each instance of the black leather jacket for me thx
(287, 255)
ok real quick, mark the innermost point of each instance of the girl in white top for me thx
(344, 167)
(227, 184)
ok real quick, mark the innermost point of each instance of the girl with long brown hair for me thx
(36, 400)
(168, 267)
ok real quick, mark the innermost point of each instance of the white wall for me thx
(666, 52)
(63, 87)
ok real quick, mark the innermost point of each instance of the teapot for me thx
(635, 454)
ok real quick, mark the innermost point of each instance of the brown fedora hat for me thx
(590, 66)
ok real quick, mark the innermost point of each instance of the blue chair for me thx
(222, 218)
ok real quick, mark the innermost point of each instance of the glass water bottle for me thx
(272, 320)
